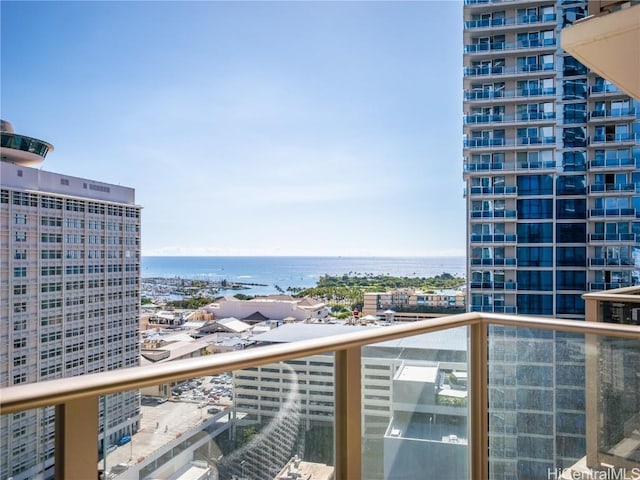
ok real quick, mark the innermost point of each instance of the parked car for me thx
(124, 440)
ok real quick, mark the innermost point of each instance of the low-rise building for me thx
(276, 307)
(412, 300)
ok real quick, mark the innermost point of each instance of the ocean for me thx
(301, 272)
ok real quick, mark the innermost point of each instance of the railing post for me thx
(592, 385)
(479, 401)
(76, 452)
(348, 415)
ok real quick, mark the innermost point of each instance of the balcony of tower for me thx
(501, 144)
(488, 5)
(488, 50)
(474, 168)
(612, 115)
(501, 239)
(506, 120)
(605, 90)
(616, 164)
(614, 139)
(480, 97)
(20, 149)
(521, 23)
(612, 214)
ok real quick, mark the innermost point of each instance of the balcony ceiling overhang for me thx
(609, 45)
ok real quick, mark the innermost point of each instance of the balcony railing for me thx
(502, 118)
(510, 21)
(509, 166)
(612, 212)
(612, 113)
(504, 190)
(506, 70)
(493, 214)
(612, 187)
(613, 237)
(507, 142)
(507, 46)
(612, 162)
(76, 399)
(498, 238)
(613, 138)
(605, 88)
(489, 2)
(508, 94)
(494, 261)
(623, 262)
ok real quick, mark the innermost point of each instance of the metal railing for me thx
(76, 398)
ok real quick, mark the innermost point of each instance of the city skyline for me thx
(261, 128)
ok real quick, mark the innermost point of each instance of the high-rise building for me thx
(69, 294)
(551, 155)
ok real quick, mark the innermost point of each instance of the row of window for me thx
(31, 200)
(533, 304)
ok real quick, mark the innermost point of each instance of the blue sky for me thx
(252, 128)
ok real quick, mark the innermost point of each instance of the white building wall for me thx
(69, 299)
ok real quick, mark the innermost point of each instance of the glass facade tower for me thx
(551, 156)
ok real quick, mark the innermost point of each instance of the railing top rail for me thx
(52, 392)
(625, 294)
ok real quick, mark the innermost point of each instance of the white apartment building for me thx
(69, 294)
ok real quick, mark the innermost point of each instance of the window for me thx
(574, 161)
(47, 221)
(20, 219)
(535, 232)
(574, 137)
(21, 236)
(51, 237)
(571, 208)
(571, 185)
(535, 185)
(535, 256)
(571, 280)
(535, 135)
(575, 113)
(20, 255)
(570, 304)
(531, 304)
(571, 256)
(574, 89)
(50, 254)
(572, 14)
(19, 272)
(19, 307)
(571, 233)
(535, 208)
(24, 199)
(572, 67)
(535, 280)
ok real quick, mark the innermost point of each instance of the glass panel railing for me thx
(181, 426)
(251, 423)
(536, 393)
(415, 407)
(616, 363)
(27, 444)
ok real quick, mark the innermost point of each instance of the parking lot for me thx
(209, 389)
